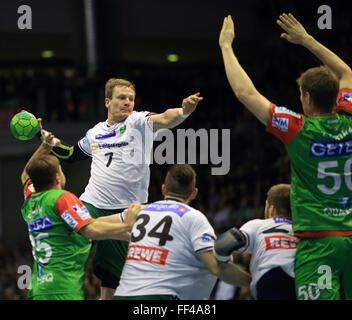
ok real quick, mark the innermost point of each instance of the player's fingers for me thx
(282, 25)
(284, 36)
(285, 20)
(293, 19)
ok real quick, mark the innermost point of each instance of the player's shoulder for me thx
(180, 209)
(254, 224)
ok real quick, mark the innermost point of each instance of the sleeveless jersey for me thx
(53, 218)
(271, 244)
(162, 255)
(320, 152)
(121, 155)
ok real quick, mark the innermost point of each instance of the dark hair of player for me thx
(322, 86)
(279, 197)
(180, 181)
(42, 172)
(114, 82)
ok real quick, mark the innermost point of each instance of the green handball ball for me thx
(24, 126)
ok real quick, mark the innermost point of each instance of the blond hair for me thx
(114, 82)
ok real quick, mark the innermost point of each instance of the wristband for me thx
(182, 115)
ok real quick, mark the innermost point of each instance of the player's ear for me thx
(107, 102)
(163, 189)
(194, 194)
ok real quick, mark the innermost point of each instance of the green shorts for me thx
(58, 297)
(108, 255)
(323, 268)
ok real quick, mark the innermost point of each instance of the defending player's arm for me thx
(227, 272)
(295, 33)
(240, 82)
(49, 141)
(173, 117)
(228, 242)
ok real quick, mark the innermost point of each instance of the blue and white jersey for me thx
(162, 255)
(121, 155)
(271, 244)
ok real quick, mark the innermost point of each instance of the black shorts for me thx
(276, 284)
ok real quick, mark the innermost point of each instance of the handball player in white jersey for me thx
(272, 246)
(170, 255)
(120, 149)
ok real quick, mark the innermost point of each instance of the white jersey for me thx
(162, 255)
(272, 244)
(121, 156)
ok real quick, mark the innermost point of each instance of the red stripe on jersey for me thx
(284, 123)
(318, 234)
(27, 190)
(344, 101)
(72, 211)
(280, 242)
(147, 254)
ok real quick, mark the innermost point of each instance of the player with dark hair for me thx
(318, 143)
(272, 246)
(60, 228)
(170, 255)
(120, 149)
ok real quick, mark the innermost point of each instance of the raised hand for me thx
(227, 33)
(50, 139)
(295, 32)
(190, 103)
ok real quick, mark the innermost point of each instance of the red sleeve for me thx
(344, 101)
(72, 211)
(28, 189)
(284, 123)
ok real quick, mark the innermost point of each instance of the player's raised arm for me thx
(240, 82)
(173, 117)
(49, 141)
(296, 33)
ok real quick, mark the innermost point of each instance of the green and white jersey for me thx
(54, 218)
(121, 155)
(320, 152)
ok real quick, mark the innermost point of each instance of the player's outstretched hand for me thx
(227, 33)
(190, 103)
(50, 139)
(132, 212)
(295, 32)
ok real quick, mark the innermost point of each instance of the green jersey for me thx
(320, 152)
(60, 253)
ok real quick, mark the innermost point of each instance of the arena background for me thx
(90, 41)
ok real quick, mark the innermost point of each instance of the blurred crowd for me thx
(258, 160)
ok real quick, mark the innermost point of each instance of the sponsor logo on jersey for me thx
(280, 242)
(282, 220)
(287, 111)
(280, 123)
(105, 136)
(69, 219)
(123, 129)
(322, 149)
(337, 212)
(345, 201)
(147, 254)
(83, 212)
(177, 208)
(347, 97)
(49, 277)
(96, 146)
(206, 237)
(34, 212)
(40, 224)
